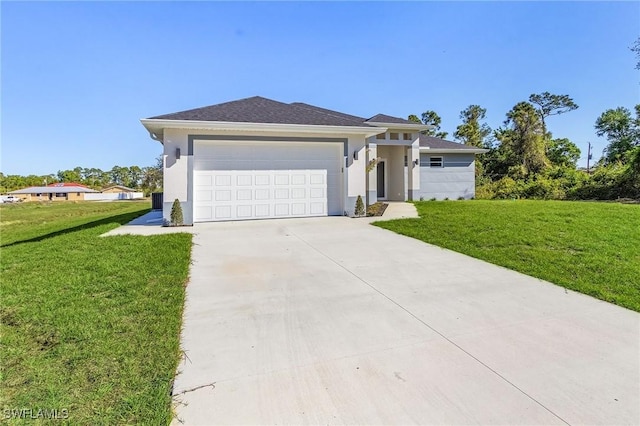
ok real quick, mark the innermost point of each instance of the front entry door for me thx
(381, 182)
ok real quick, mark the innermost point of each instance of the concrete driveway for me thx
(334, 321)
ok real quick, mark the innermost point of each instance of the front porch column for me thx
(372, 176)
(413, 169)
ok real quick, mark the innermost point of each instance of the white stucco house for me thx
(257, 158)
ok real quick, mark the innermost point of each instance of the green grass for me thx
(593, 248)
(89, 324)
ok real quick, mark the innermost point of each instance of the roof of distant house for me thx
(124, 188)
(52, 190)
(65, 184)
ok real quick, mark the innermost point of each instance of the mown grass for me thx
(590, 247)
(89, 324)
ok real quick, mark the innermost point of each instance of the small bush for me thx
(176, 214)
(359, 210)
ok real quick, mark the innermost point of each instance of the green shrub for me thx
(176, 214)
(506, 188)
(359, 210)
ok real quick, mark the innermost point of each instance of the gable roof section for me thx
(431, 142)
(383, 118)
(262, 110)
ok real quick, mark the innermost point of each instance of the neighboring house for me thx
(116, 189)
(115, 192)
(258, 158)
(67, 191)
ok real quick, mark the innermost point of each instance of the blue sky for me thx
(78, 76)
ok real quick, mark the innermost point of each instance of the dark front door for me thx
(380, 180)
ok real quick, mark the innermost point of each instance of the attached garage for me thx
(256, 158)
(241, 180)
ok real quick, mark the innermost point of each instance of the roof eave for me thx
(408, 126)
(454, 150)
(156, 127)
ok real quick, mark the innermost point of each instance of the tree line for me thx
(524, 159)
(144, 179)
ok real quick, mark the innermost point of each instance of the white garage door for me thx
(240, 181)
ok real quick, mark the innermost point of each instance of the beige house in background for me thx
(54, 192)
(117, 189)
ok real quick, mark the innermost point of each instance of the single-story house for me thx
(115, 192)
(257, 158)
(64, 191)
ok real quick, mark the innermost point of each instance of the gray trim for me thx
(191, 138)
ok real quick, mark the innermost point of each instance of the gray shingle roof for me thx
(383, 118)
(437, 143)
(262, 110)
(330, 112)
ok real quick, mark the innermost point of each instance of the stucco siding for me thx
(454, 180)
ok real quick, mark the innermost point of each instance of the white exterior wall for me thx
(176, 174)
(413, 170)
(356, 176)
(456, 179)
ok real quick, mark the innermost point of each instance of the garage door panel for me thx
(244, 194)
(202, 214)
(223, 213)
(245, 180)
(262, 210)
(204, 195)
(244, 211)
(227, 199)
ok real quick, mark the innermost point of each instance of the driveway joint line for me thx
(305, 365)
(429, 326)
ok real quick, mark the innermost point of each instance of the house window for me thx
(394, 136)
(436, 162)
(381, 136)
(60, 195)
(406, 136)
(78, 194)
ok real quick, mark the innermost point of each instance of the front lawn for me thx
(590, 247)
(89, 325)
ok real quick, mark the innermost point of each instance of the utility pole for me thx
(589, 156)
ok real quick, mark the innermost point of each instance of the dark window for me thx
(381, 136)
(436, 162)
(394, 136)
(406, 136)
